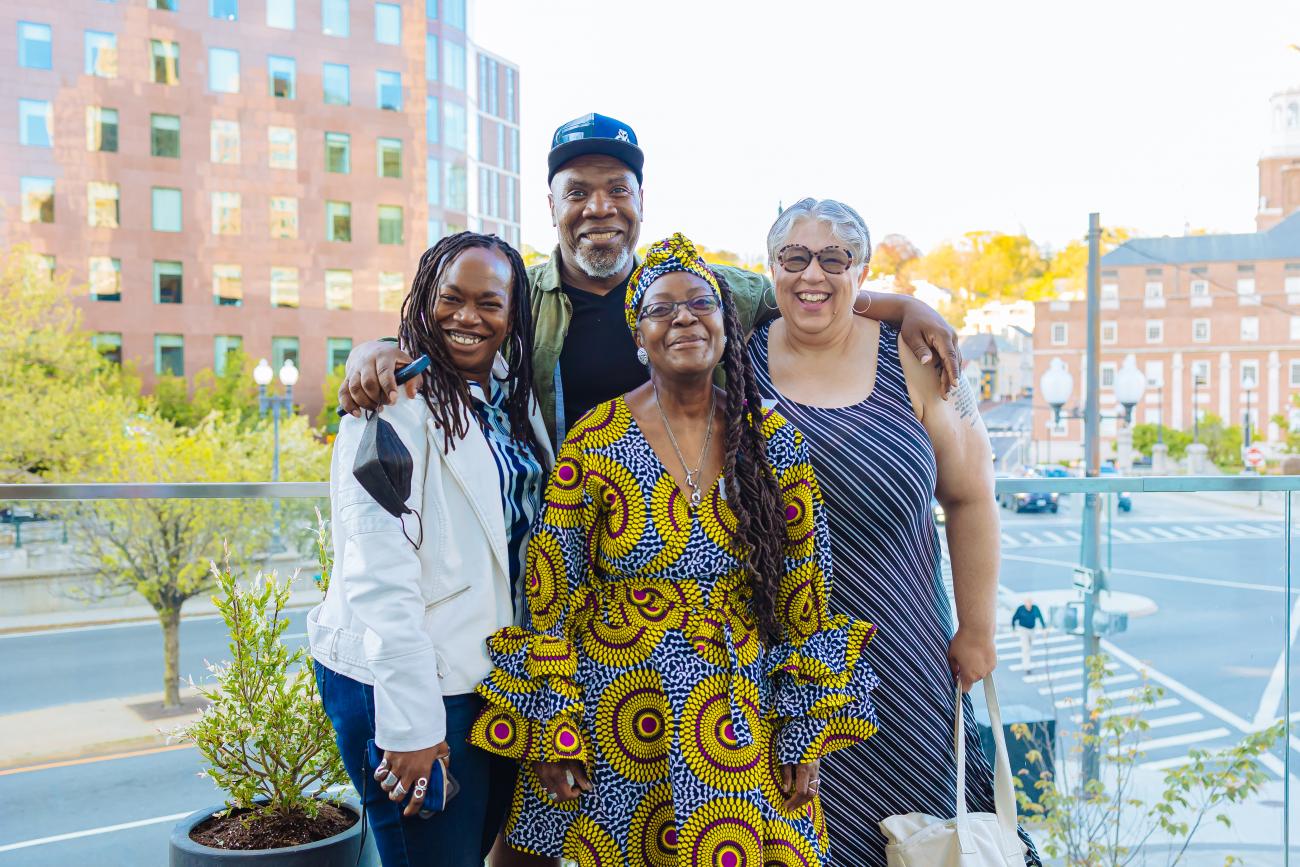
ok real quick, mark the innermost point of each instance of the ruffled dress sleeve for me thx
(821, 679)
(533, 706)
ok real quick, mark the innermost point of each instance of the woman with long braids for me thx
(421, 578)
(678, 675)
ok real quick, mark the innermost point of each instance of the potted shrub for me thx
(267, 743)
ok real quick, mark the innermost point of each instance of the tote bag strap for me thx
(1004, 793)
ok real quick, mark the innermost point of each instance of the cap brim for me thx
(624, 152)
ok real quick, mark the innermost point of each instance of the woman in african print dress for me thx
(678, 675)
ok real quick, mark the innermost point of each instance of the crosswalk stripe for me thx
(1140, 534)
(1060, 675)
(1175, 720)
(1257, 530)
(1009, 541)
(1078, 685)
(1073, 536)
(1030, 538)
(1048, 663)
(1206, 531)
(1180, 740)
(1010, 639)
(1185, 533)
(1229, 530)
(1121, 535)
(1054, 537)
(1118, 710)
(1163, 533)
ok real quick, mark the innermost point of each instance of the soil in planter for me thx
(273, 831)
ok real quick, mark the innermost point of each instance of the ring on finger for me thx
(554, 796)
(390, 780)
(399, 790)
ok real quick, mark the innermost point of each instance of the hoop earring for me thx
(519, 343)
(763, 300)
(642, 356)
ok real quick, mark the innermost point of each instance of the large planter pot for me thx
(341, 850)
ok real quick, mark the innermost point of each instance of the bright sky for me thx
(931, 118)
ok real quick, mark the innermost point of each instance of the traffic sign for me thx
(1083, 579)
(1253, 456)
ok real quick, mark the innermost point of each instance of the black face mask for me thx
(383, 467)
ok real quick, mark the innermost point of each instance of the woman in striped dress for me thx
(882, 445)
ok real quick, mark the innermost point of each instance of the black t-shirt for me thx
(598, 360)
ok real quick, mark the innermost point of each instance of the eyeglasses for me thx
(796, 257)
(701, 305)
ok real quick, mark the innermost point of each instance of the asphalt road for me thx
(1214, 642)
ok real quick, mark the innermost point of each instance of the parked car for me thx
(19, 515)
(1123, 501)
(1043, 501)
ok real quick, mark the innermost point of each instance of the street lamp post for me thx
(274, 403)
(1055, 386)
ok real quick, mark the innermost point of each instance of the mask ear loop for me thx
(420, 524)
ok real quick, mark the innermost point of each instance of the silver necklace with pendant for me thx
(692, 476)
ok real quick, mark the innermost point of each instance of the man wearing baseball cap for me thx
(583, 353)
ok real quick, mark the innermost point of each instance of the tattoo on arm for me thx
(966, 404)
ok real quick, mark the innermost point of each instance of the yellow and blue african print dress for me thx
(639, 656)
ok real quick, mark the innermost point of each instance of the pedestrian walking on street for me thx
(1024, 621)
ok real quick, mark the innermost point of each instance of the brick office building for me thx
(1213, 320)
(261, 174)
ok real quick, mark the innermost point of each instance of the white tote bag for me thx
(970, 839)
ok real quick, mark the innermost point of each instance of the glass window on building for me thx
(388, 88)
(512, 199)
(338, 152)
(225, 142)
(228, 285)
(103, 207)
(454, 187)
(35, 123)
(227, 10)
(166, 209)
(433, 232)
(337, 84)
(283, 349)
(280, 13)
(392, 291)
(164, 5)
(223, 70)
(284, 286)
(282, 72)
(338, 221)
(105, 278)
(284, 217)
(514, 150)
(453, 64)
(453, 12)
(336, 352)
(101, 54)
(224, 346)
(101, 129)
(44, 262)
(433, 176)
(453, 125)
(227, 214)
(164, 135)
(34, 42)
(390, 224)
(338, 290)
(168, 283)
(432, 120)
(511, 108)
(283, 147)
(1249, 329)
(335, 18)
(165, 65)
(431, 57)
(109, 345)
(388, 24)
(38, 200)
(168, 355)
(389, 157)
(431, 9)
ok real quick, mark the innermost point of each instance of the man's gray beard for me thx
(602, 265)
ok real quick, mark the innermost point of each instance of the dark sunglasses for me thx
(701, 305)
(796, 257)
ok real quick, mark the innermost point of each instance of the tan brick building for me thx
(261, 174)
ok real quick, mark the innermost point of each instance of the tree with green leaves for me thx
(233, 393)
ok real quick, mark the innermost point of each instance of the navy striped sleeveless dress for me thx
(876, 469)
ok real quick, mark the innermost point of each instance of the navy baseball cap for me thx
(594, 134)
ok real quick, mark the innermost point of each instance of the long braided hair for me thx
(445, 390)
(754, 495)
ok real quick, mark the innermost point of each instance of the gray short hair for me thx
(846, 225)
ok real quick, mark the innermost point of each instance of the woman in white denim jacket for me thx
(399, 640)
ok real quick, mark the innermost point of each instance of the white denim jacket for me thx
(413, 622)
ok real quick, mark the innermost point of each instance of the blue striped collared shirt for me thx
(520, 474)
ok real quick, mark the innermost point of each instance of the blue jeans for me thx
(461, 835)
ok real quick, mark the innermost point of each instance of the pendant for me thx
(695, 496)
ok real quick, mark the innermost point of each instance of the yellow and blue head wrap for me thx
(674, 253)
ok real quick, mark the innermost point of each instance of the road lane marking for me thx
(1180, 740)
(1007, 539)
(1122, 709)
(92, 832)
(1162, 576)
(1055, 537)
(1163, 533)
(1272, 696)
(1048, 663)
(1120, 535)
(1176, 719)
(1078, 685)
(1229, 530)
(1206, 531)
(1141, 535)
(1073, 536)
(93, 759)
(1178, 687)
(1185, 533)
(1061, 675)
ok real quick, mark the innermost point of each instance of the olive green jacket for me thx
(552, 312)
